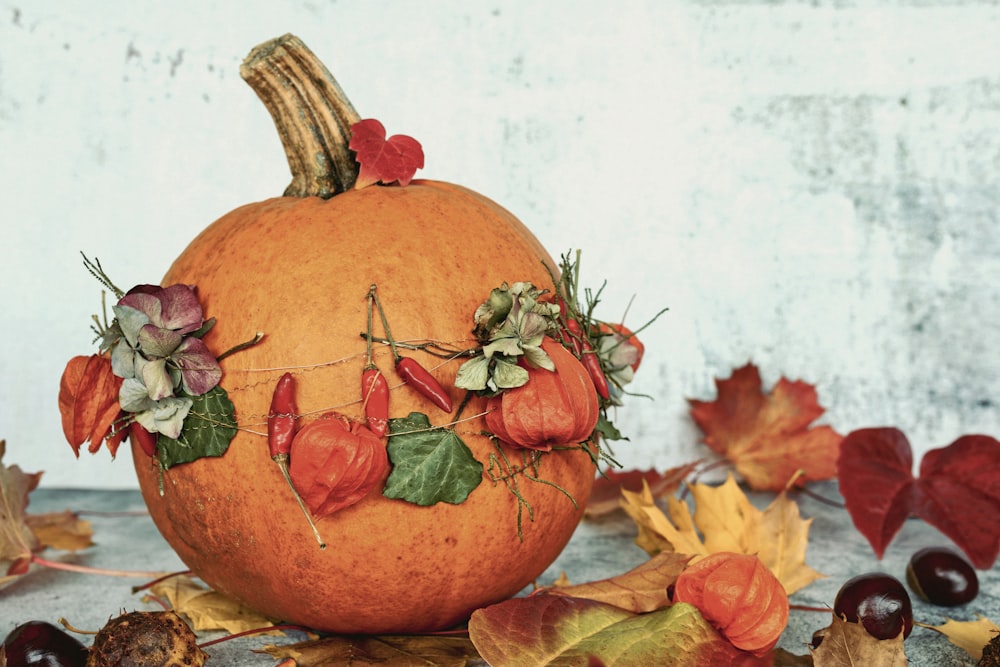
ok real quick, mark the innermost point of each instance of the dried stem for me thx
(311, 113)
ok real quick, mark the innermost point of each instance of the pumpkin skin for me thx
(299, 270)
(553, 408)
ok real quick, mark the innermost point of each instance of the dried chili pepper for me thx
(420, 379)
(281, 423)
(374, 386)
(146, 440)
(410, 369)
(585, 353)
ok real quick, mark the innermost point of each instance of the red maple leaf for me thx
(384, 160)
(767, 436)
(957, 492)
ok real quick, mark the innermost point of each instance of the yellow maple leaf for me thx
(725, 520)
(61, 530)
(207, 609)
(970, 636)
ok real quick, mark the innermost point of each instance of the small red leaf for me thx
(959, 485)
(384, 160)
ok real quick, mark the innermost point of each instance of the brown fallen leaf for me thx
(970, 636)
(64, 530)
(207, 609)
(849, 645)
(641, 589)
(605, 497)
(726, 520)
(767, 437)
(384, 651)
(17, 541)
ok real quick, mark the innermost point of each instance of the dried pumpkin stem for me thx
(311, 113)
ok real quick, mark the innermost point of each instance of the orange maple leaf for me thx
(767, 436)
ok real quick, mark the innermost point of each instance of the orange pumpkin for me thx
(298, 268)
(553, 408)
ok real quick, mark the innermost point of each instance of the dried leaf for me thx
(88, 403)
(605, 497)
(958, 485)
(725, 520)
(384, 651)
(558, 630)
(849, 645)
(17, 541)
(970, 636)
(639, 590)
(767, 436)
(207, 609)
(384, 160)
(61, 530)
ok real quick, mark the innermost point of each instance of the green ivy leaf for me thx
(429, 465)
(608, 430)
(208, 429)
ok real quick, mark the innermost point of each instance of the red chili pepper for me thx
(593, 366)
(420, 379)
(409, 369)
(146, 440)
(282, 417)
(375, 399)
(281, 422)
(585, 352)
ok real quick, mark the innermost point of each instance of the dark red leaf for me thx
(958, 491)
(384, 160)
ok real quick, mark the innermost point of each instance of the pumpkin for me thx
(298, 269)
(552, 408)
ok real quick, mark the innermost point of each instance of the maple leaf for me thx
(767, 436)
(726, 520)
(605, 497)
(17, 541)
(384, 160)
(970, 636)
(208, 609)
(559, 630)
(641, 589)
(849, 645)
(958, 486)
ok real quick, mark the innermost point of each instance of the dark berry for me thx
(942, 577)
(41, 644)
(879, 601)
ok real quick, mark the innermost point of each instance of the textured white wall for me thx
(812, 187)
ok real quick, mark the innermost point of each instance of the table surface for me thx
(599, 549)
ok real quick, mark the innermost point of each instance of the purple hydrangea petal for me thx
(199, 369)
(180, 309)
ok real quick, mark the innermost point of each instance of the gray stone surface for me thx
(597, 550)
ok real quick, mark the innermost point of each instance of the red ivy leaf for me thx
(384, 160)
(958, 486)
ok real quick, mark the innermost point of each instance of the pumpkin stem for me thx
(311, 112)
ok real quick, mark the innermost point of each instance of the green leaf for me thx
(208, 429)
(508, 375)
(556, 630)
(473, 374)
(607, 429)
(430, 465)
